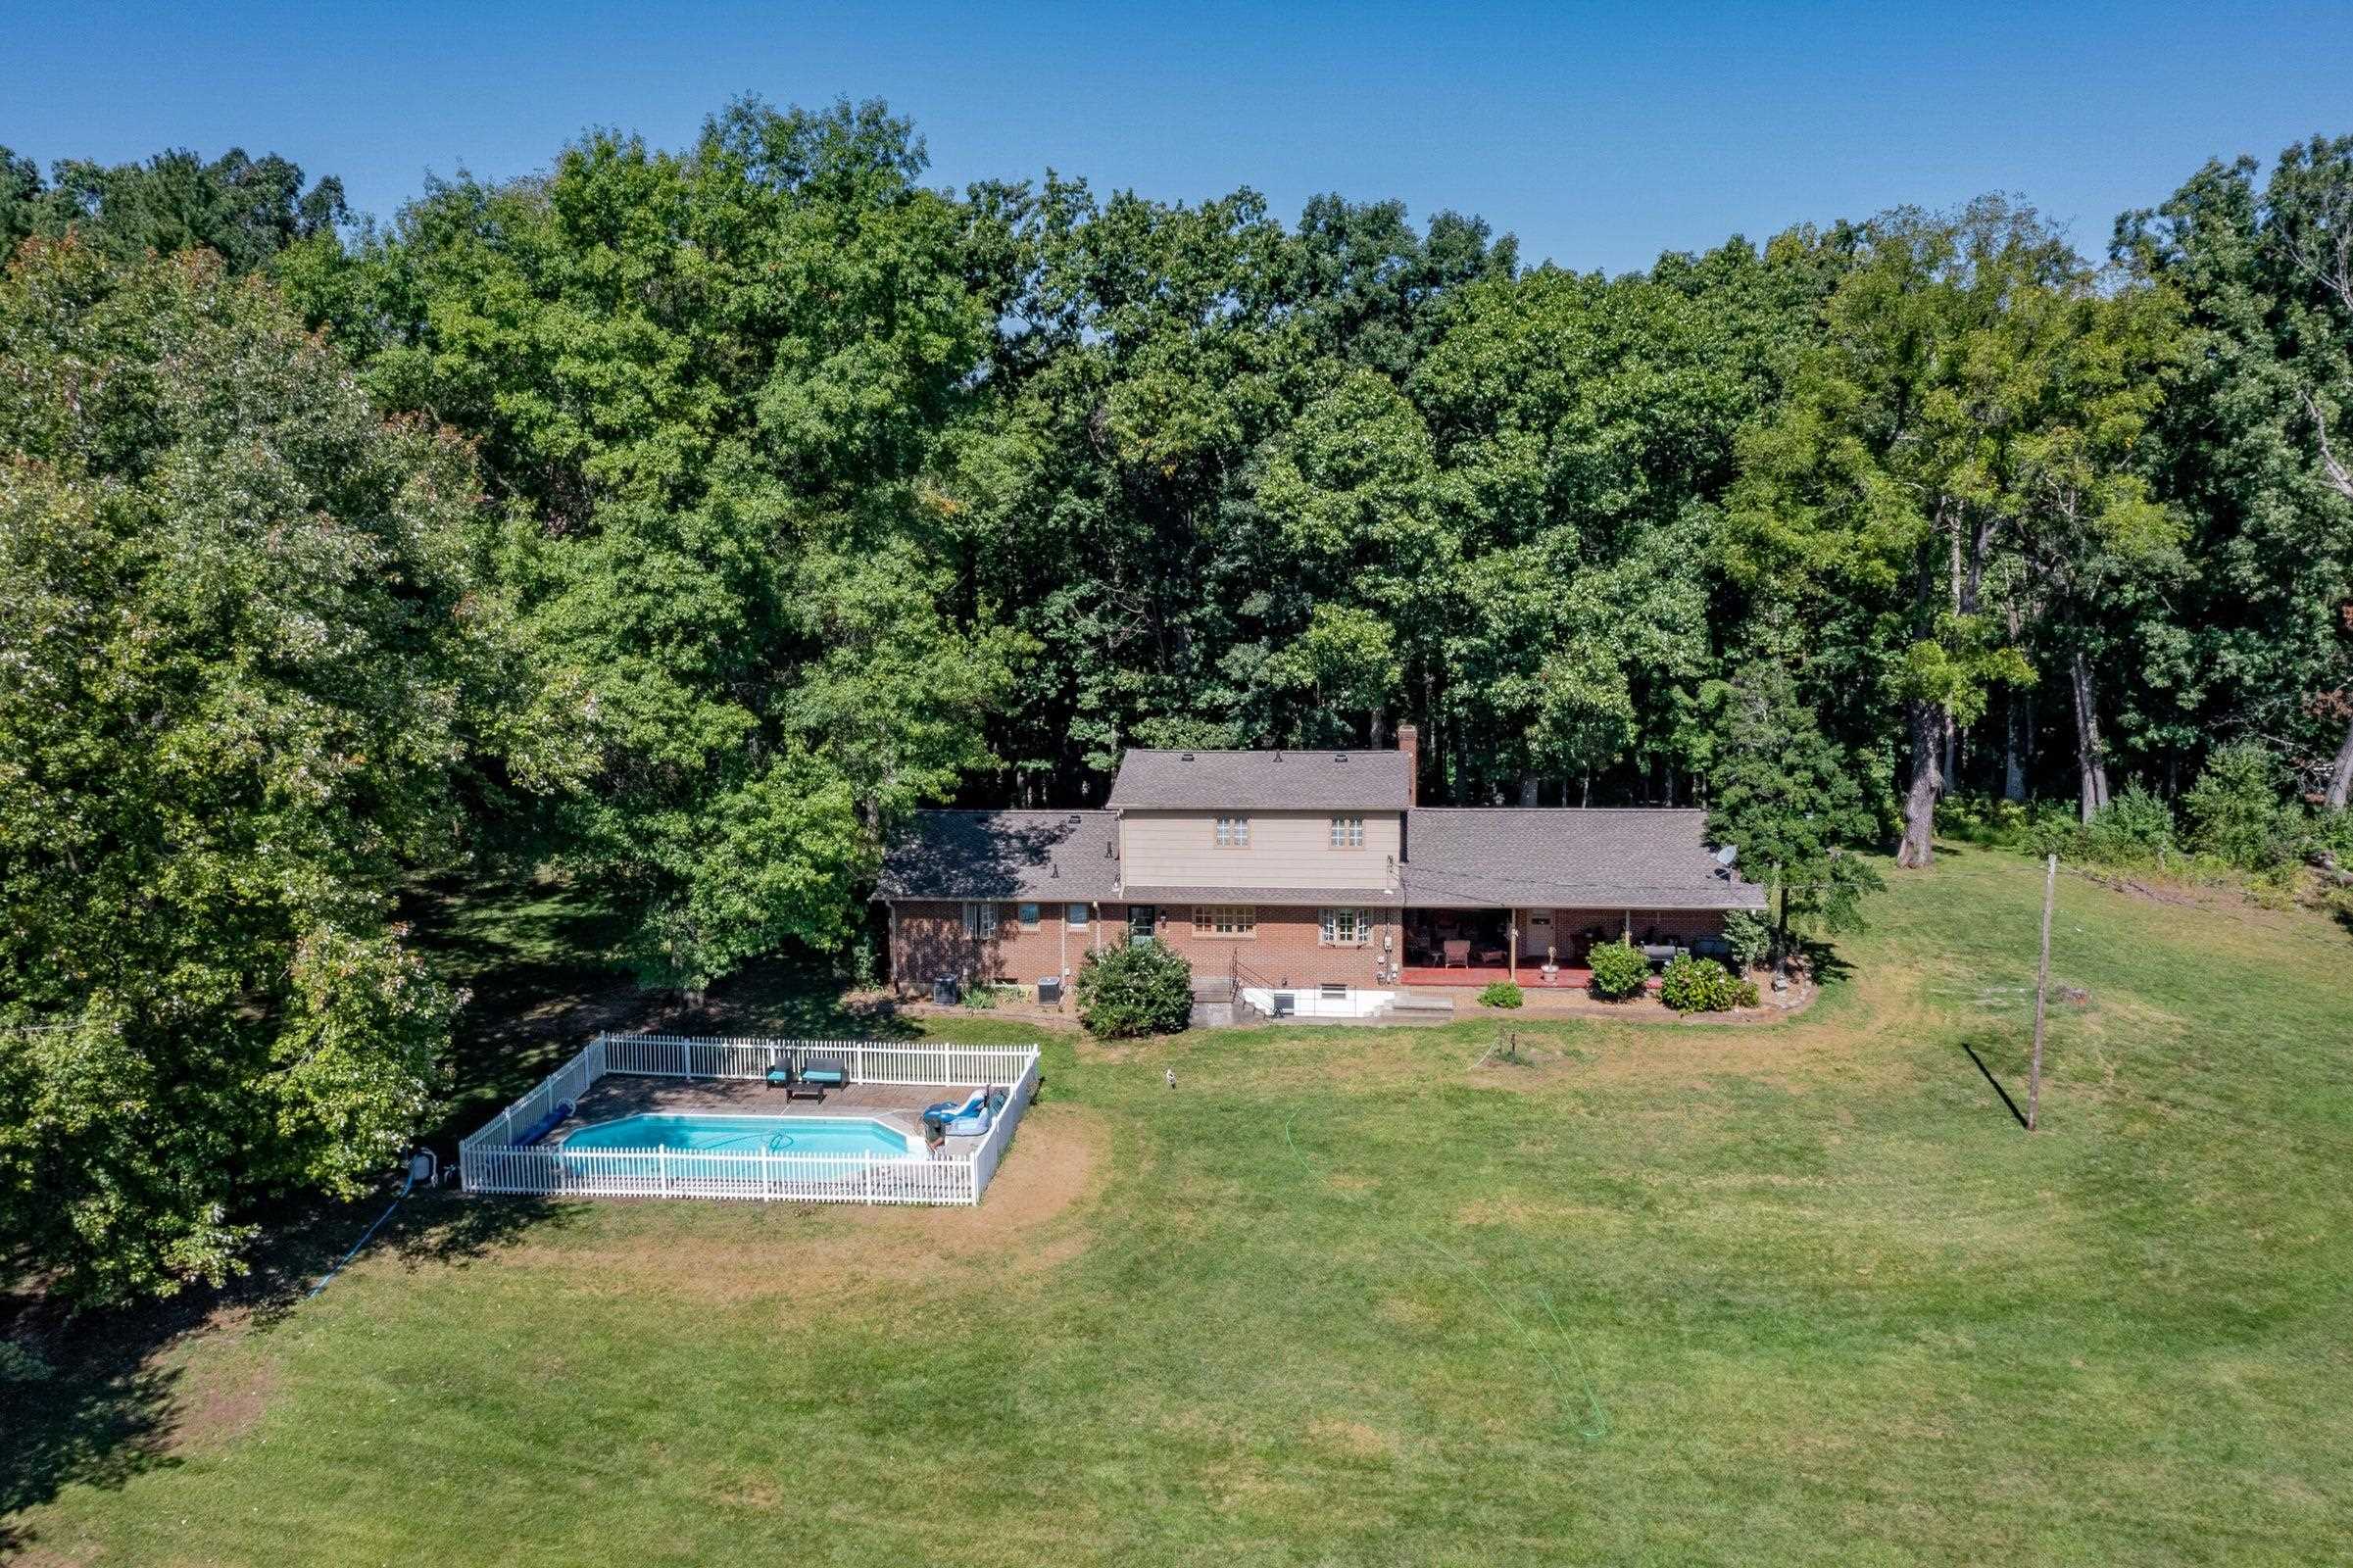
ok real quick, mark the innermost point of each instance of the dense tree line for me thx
(683, 519)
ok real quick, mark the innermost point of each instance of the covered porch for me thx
(1543, 947)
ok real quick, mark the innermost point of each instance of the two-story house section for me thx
(1312, 881)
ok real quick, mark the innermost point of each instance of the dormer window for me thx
(1347, 832)
(1233, 832)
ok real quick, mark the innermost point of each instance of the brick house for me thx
(1312, 881)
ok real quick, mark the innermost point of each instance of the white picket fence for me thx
(491, 1161)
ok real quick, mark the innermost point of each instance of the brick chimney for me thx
(1409, 742)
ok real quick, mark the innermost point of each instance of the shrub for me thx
(1697, 985)
(2132, 827)
(1619, 971)
(1982, 818)
(2235, 814)
(2331, 834)
(1143, 989)
(1750, 935)
(1744, 993)
(1502, 994)
(2051, 828)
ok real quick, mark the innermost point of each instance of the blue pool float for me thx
(543, 1125)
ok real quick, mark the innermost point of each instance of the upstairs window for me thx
(1233, 832)
(1344, 928)
(1225, 920)
(1347, 832)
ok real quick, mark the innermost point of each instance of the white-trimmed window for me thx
(1233, 832)
(1345, 928)
(1028, 913)
(1225, 920)
(1075, 918)
(980, 922)
(1347, 832)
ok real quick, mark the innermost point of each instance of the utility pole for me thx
(2042, 985)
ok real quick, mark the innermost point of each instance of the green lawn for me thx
(1798, 1294)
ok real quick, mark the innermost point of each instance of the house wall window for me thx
(1233, 832)
(1225, 920)
(1345, 928)
(1076, 917)
(980, 920)
(1029, 916)
(1347, 832)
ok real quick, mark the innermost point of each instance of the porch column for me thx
(1514, 947)
(1630, 927)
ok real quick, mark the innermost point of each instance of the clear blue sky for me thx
(1599, 133)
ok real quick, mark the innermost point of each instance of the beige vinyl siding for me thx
(1285, 849)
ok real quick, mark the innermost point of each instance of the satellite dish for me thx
(1727, 854)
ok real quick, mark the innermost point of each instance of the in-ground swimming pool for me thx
(747, 1134)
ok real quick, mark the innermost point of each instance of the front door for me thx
(1538, 936)
(1142, 920)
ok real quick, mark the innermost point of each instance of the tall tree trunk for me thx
(1926, 721)
(1376, 730)
(2341, 778)
(2092, 757)
(1527, 788)
(1951, 771)
(1587, 798)
(1670, 786)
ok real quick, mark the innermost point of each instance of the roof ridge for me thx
(1587, 810)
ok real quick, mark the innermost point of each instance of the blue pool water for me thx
(747, 1134)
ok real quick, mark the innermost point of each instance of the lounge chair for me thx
(969, 1117)
(1458, 953)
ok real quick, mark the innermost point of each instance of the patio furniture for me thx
(1493, 956)
(826, 1068)
(969, 1119)
(1660, 953)
(1458, 953)
(803, 1089)
(780, 1077)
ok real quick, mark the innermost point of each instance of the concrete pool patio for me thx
(899, 1106)
(519, 1151)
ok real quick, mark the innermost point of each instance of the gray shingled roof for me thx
(1366, 898)
(1264, 781)
(1003, 855)
(1566, 857)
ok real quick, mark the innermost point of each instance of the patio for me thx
(622, 1093)
(1530, 976)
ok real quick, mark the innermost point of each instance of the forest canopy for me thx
(682, 519)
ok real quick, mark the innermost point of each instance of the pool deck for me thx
(900, 1105)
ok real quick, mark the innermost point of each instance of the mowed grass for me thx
(1649, 1295)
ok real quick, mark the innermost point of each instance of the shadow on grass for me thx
(85, 1399)
(95, 1422)
(450, 1229)
(2017, 1114)
(97, 1408)
(1823, 962)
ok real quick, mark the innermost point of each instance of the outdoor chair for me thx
(816, 1074)
(1458, 953)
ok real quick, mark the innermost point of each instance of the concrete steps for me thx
(1419, 1007)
